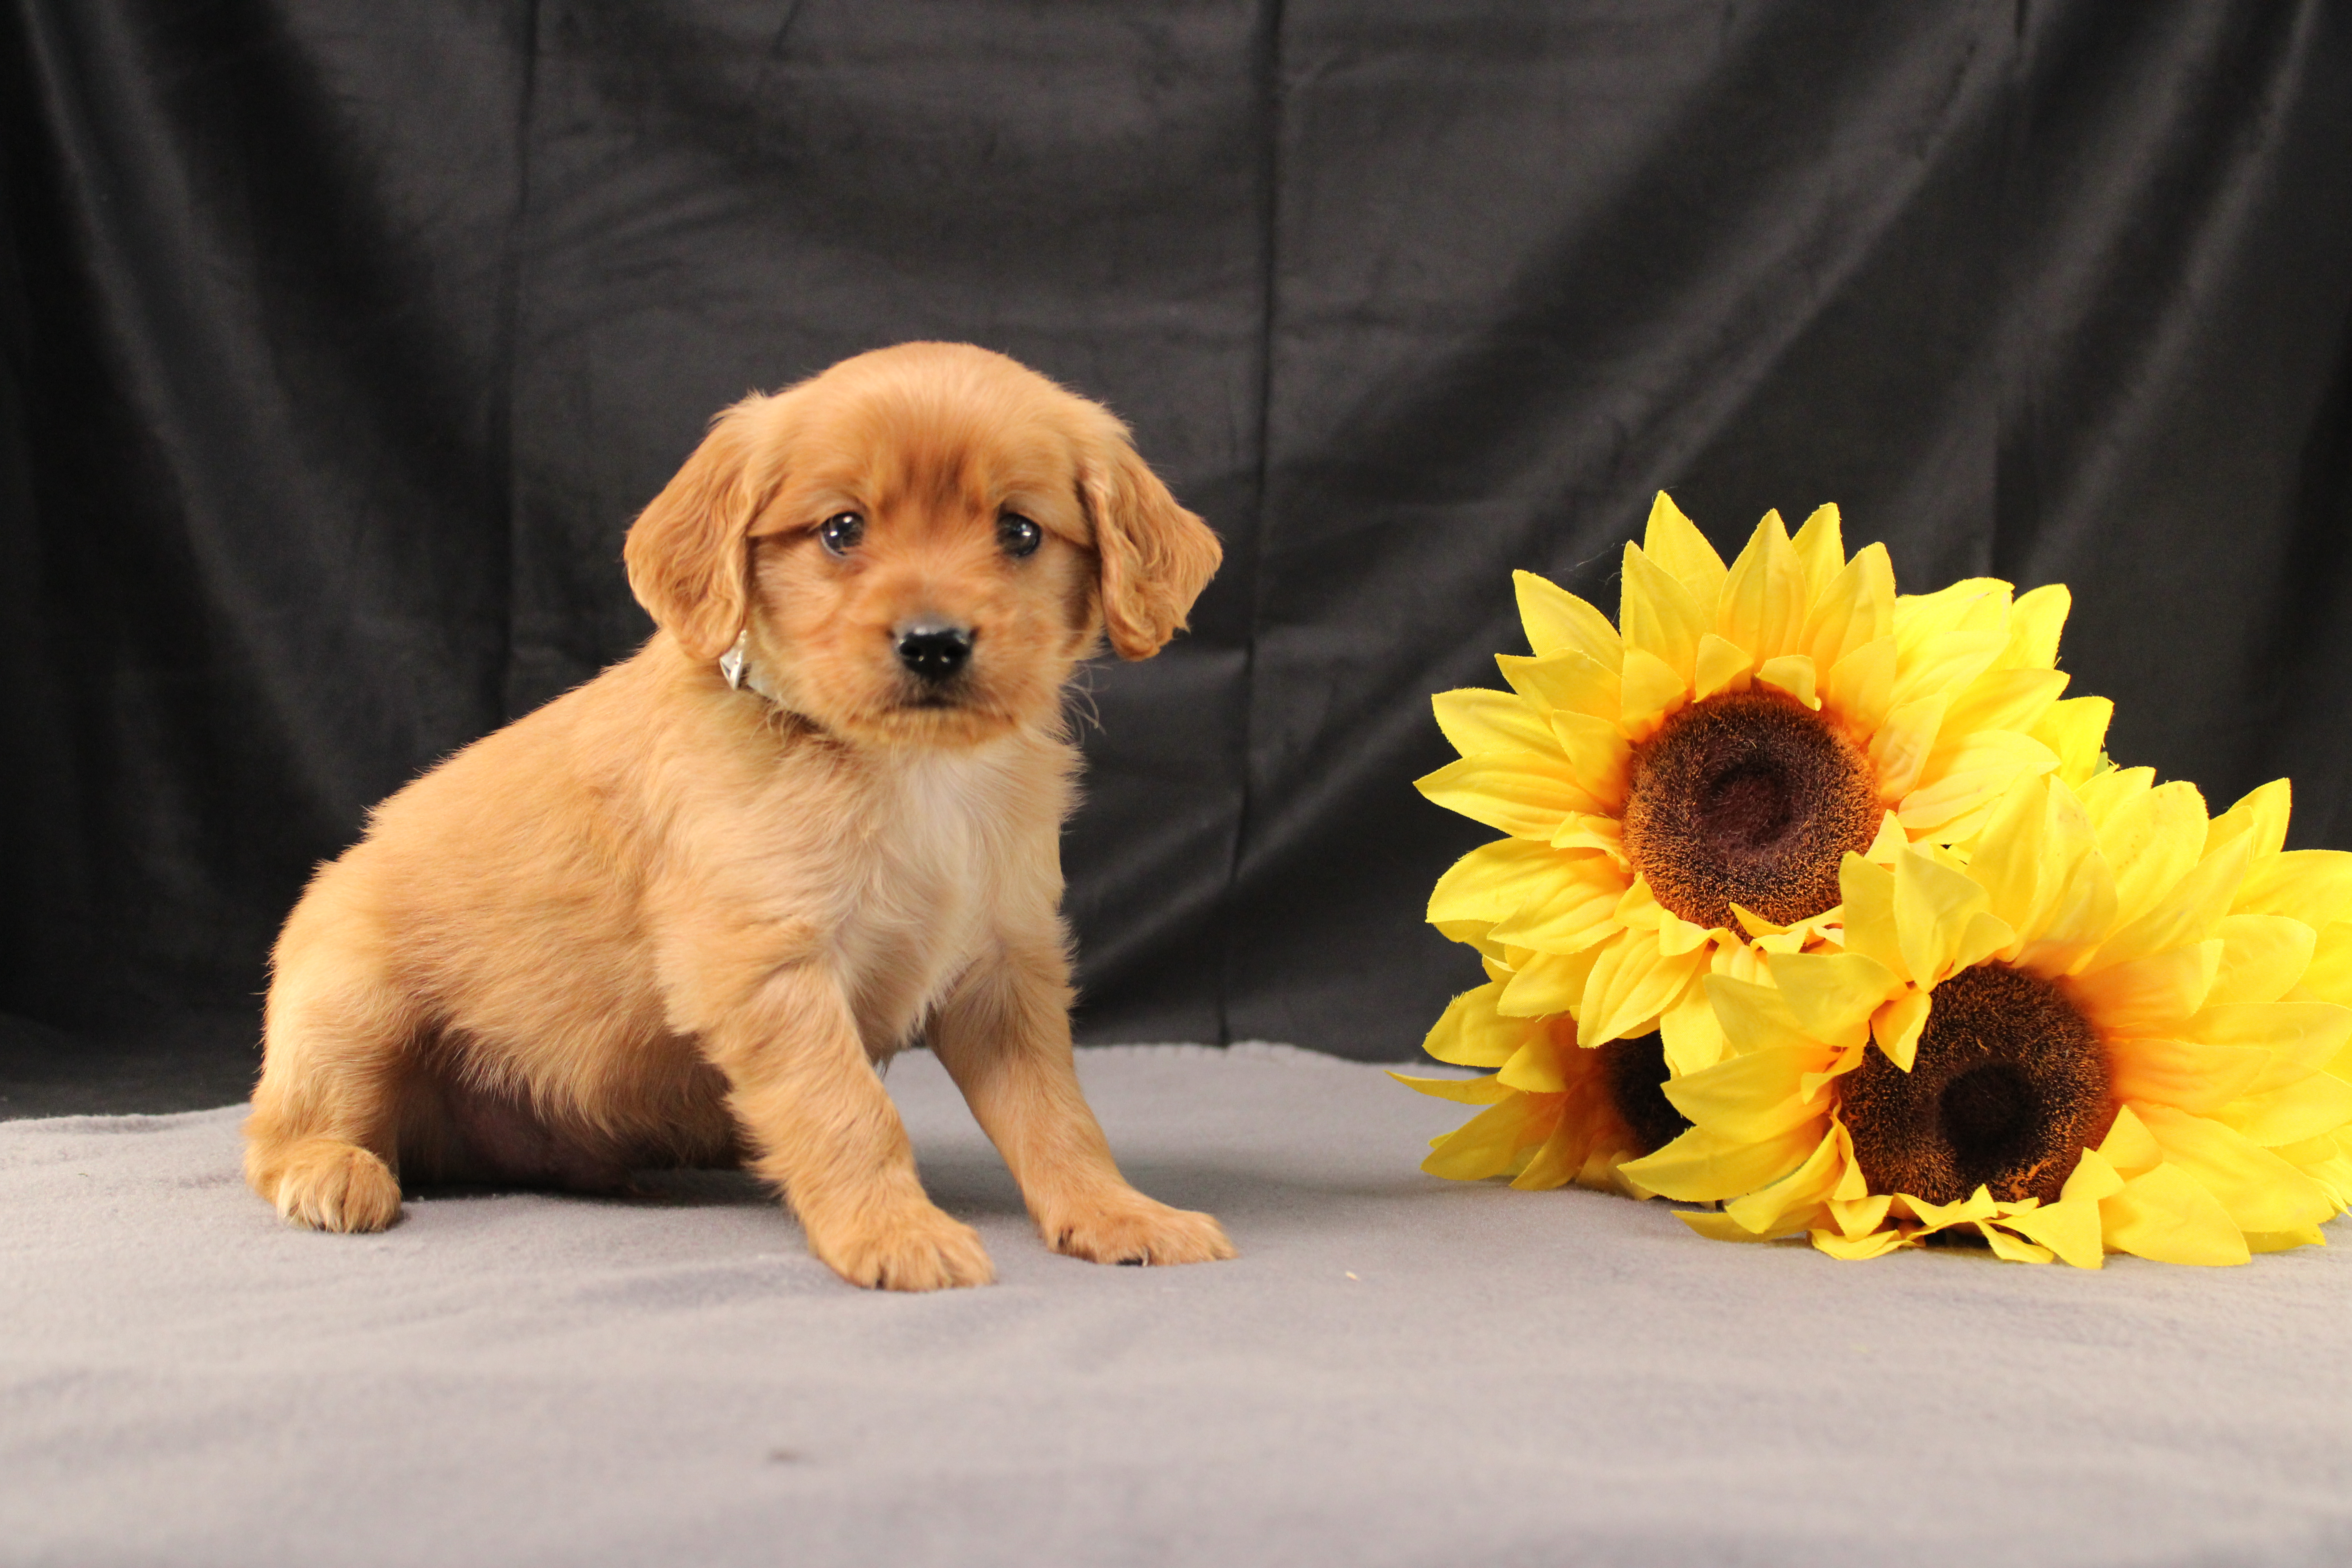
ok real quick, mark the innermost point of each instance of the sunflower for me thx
(1555, 1112)
(1680, 789)
(2108, 1028)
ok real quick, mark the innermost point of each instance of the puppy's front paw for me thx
(1136, 1229)
(327, 1185)
(910, 1249)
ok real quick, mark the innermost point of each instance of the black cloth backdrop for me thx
(343, 339)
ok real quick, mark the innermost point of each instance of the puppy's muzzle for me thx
(934, 651)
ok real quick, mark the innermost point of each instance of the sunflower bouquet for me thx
(1821, 904)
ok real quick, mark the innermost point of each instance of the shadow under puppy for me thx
(677, 915)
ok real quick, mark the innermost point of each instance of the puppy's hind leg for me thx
(322, 1141)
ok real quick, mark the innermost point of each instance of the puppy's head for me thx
(918, 544)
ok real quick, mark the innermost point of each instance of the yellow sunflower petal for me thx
(1751, 1096)
(2281, 1240)
(2071, 1228)
(1653, 691)
(2107, 792)
(1853, 610)
(2329, 973)
(1490, 1143)
(2192, 910)
(1960, 785)
(1558, 1159)
(1797, 1199)
(1866, 893)
(1690, 1033)
(2151, 840)
(2189, 1075)
(1972, 603)
(1471, 1034)
(1576, 909)
(1569, 679)
(1703, 1167)
(2316, 880)
(1940, 918)
(1860, 686)
(2128, 1145)
(1947, 664)
(1597, 756)
(2313, 1106)
(2009, 1248)
(1659, 616)
(1534, 1067)
(1511, 792)
(1897, 1025)
(2003, 698)
(1856, 1248)
(2258, 1190)
(2262, 812)
(2075, 898)
(1717, 1227)
(1833, 995)
(1557, 619)
(2149, 996)
(1588, 831)
(2076, 730)
(2304, 1035)
(1486, 1090)
(1549, 984)
(1762, 608)
(1630, 983)
(2165, 1214)
(1674, 543)
(1495, 881)
(1755, 1017)
(2036, 620)
(1820, 544)
(1793, 673)
(1721, 666)
(1478, 721)
(2263, 958)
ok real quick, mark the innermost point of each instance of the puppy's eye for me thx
(840, 534)
(1017, 536)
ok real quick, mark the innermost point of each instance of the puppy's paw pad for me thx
(330, 1185)
(1141, 1231)
(914, 1252)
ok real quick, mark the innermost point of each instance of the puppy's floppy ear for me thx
(1156, 556)
(688, 553)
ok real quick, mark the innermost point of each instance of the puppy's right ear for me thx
(688, 553)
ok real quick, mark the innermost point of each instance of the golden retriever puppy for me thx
(679, 914)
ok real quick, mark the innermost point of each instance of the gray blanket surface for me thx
(1398, 1370)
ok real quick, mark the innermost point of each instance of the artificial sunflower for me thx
(1680, 788)
(1555, 1112)
(2108, 1028)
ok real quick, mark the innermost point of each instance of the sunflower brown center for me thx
(2009, 1087)
(1635, 1071)
(1748, 798)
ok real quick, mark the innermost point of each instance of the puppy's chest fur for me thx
(933, 877)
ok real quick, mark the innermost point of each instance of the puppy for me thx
(678, 915)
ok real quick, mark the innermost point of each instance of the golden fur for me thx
(660, 920)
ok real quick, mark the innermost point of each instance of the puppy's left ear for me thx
(1156, 556)
(688, 552)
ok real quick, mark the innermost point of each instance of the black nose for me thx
(934, 650)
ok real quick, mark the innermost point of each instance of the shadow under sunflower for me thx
(2098, 1031)
(1679, 793)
